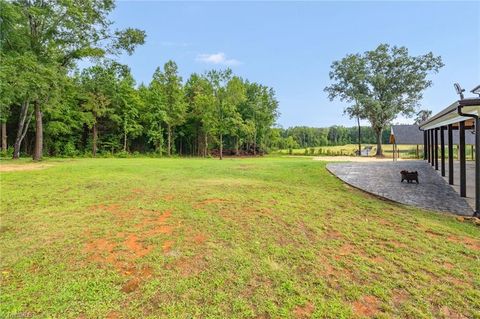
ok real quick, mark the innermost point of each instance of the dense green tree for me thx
(58, 33)
(387, 82)
(173, 100)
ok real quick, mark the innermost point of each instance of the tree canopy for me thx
(382, 84)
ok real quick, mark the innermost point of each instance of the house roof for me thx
(450, 115)
(412, 135)
(407, 134)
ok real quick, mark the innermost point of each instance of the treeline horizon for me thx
(308, 136)
(100, 110)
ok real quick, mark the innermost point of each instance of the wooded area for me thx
(48, 102)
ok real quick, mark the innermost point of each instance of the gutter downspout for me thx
(477, 158)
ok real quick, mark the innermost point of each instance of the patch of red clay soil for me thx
(399, 297)
(135, 247)
(366, 307)
(304, 311)
(345, 250)
(131, 285)
(112, 208)
(470, 243)
(445, 312)
(157, 225)
(378, 259)
(167, 246)
(189, 266)
(448, 266)
(168, 198)
(123, 252)
(113, 315)
(333, 234)
(199, 239)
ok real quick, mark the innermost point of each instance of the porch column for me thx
(428, 145)
(435, 132)
(463, 171)
(450, 154)
(442, 150)
(477, 167)
(432, 147)
(425, 145)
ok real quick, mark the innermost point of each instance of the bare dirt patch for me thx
(446, 312)
(470, 243)
(304, 311)
(168, 198)
(23, 167)
(367, 306)
(189, 266)
(399, 297)
(122, 249)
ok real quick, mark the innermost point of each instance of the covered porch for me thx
(440, 133)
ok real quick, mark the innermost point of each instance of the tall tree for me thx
(127, 103)
(175, 106)
(350, 87)
(199, 98)
(98, 84)
(58, 33)
(390, 82)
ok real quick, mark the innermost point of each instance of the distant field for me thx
(239, 238)
(349, 150)
(406, 151)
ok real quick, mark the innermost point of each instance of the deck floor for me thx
(383, 179)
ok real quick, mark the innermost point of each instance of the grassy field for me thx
(238, 238)
(406, 151)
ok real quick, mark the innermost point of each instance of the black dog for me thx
(409, 176)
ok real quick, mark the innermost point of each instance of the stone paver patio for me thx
(383, 179)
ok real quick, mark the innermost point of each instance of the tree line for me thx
(304, 136)
(48, 105)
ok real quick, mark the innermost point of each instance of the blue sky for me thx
(291, 45)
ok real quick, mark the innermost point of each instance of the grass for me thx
(238, 238)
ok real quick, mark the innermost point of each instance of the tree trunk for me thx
(205, 147)
(4, 137)
(95, 138)
(221, 146)
(38, 150)
(125, 141)
(359, 137)
(169, 142)
(22, 129)
(236, 146)
(255, 143)
(378, 134)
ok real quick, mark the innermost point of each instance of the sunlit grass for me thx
(238, 238)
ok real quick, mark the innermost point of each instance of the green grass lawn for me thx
(238, 238)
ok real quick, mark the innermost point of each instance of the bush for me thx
(122, 154)
(312, 151)
(69, 150)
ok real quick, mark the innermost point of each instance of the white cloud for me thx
(216, 58)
